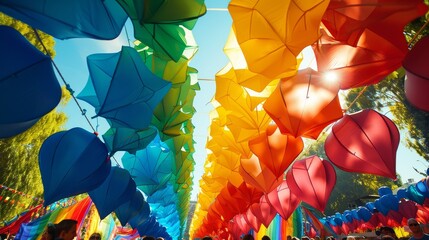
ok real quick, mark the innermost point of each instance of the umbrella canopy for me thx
(24, 65)
(72, 162)
(127, 139)
(371, 35)
(275, 150)
(283, 200)
(417, 81)
(130, 209)
(255, 173)
(117, 188)
(98, 19)
(373, 146)
(305, 104)
(126, 90)
(167, 11)
(263, 211)
(348, 20)
(312, 180)
(272, 33)
(152, 167)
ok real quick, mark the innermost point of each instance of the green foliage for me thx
(19, 154)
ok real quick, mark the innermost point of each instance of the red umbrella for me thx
(283, 200)
(252, 220)
(417, 82)
(347, 20)
(372, 149)
(367, 63)
(373, 29)
(275, 150)
(305, 104)
(312, 180)
(263, 211)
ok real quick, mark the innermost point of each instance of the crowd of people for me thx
(67, 230)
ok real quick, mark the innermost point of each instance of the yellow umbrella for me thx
(271, 33)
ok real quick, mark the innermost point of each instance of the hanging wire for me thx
(83, 111)
(126, 33)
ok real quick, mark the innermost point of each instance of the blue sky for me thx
(210, 33)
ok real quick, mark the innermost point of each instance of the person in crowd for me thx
(148, 238)
(95, 236)
(387, 233)
(416, 230)
(50, 232)
(266, 238)
(159, 238)
(207, 238)
(66, 229)
(248, 237)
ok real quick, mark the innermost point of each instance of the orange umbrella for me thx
(258, 175)
(417, 82)
(372, 149)
(271, 33)
(304, 104)
(275, 150)
(312, 180)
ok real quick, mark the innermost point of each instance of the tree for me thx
(19, 154)
(350, 187)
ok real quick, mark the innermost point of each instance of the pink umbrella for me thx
(312, 180)
(372, 149)
(283, 200)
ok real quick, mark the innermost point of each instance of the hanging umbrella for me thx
(127, 139)
(304, 104)
(272, 33)
(283, 200)
(142, 216)
(244, 120)
(312, 180)
(72, 162)
(24, 65)
(348, 20)
(367, 63)
(263, 211)
(167, 11)
(99, 19)
(417, 81)
(116, 189)
(152, 167)
(373, 146)
(255, 173)
(238, 66)
(126, 90)
(130, 209)
(275, 150)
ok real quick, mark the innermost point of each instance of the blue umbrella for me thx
(126, 90)
(127, 139)
(72, 162)
(98, 19)
(151, 167)
(117, 189)
(141, 217)
(28, 86)
(131, 209)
